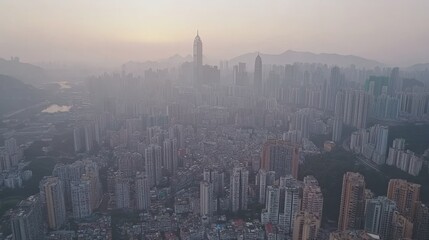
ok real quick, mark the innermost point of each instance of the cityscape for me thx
(289, 146)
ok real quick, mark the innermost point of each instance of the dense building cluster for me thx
(201, 152)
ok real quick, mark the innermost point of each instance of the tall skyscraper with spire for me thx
(257, 76)
(198, 59)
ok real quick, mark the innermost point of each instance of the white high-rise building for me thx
(239, 189)
(142, 191)
(81, 198)
(153, 164)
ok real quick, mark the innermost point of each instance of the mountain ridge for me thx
(291, 56)
(15, 94)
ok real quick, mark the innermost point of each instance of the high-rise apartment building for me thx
(26, 220)
(356, 108)
(176, 132)
(312, 200)
(239, 189)
(352, 202)
(406, 195)
(290, 204)
(81, 198)
(421, 222)
(52, 198)
(215, 177)
(272, 205)
(337, 130)
(170, 155)
(280, 156)
(306, 226)
(122, 191)
(332, 87)
(402, 228)
(264, 179)
(206, 198)
(153, 164)
(379, 216)
(142, 191)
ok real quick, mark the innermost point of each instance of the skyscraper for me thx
(312, 200)
(257, 76)
(176, 132)
(280, 156)
(379, 216)
(78, 139)
(216, 178)
(122, 191)
(291, 203)
(272, 205)
(239, 185)
(142, 191)
(333, 86)
(197, 59)
(26, 220)
(52, 198)
(264, 179)
(352, 202)
(170, 155)
(380, 152)
(395, 83)
(81, 198)
(206, 198)
(402, 227)
(92, 175)
(356, 107)
(421, 222)
(153, 164)
(306, 226)
(405, 194)
(337, 130)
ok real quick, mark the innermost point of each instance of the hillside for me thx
(25, 72)
(15, 95)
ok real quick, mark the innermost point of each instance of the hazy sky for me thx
(113, 31)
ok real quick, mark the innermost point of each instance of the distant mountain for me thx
(419, 67)
(15, 95)
(26, 72)
(290, 57)
(138, 68)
